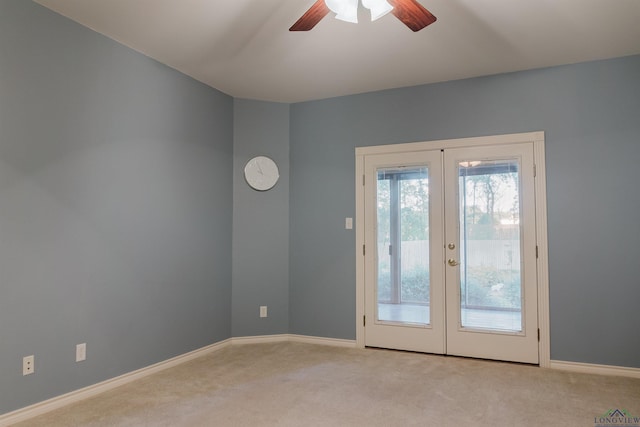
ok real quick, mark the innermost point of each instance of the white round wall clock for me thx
(261, 173)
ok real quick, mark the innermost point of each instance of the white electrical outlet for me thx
(81, 352)
(263, 311)
(28, 365)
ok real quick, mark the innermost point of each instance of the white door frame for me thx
(537, 138)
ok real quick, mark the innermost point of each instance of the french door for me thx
(404, 217)
(450, 251)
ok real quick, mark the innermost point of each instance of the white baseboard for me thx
(589, 368)
(334, 342)
(92, 390)
(260, 339)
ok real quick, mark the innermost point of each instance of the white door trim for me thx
(537, 138)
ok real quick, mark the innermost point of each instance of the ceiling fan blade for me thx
(311, 17)
(412, 14)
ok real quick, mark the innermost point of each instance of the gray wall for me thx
(115, 207)
(590, 113)
(260, 221)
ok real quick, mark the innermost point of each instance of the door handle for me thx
(452, 262)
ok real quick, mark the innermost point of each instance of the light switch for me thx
(348, 223)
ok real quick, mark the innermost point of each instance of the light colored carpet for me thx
(294, 384)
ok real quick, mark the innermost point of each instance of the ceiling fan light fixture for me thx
(345, 10)
(378, 8)
(410, 12)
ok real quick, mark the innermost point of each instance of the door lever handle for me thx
(452, 262)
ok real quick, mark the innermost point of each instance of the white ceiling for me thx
(244, 48)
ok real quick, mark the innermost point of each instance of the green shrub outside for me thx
(485, 287)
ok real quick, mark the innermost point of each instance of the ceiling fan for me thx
(410, 12)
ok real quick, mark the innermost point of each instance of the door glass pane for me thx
(490, 264)
(403, 245)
